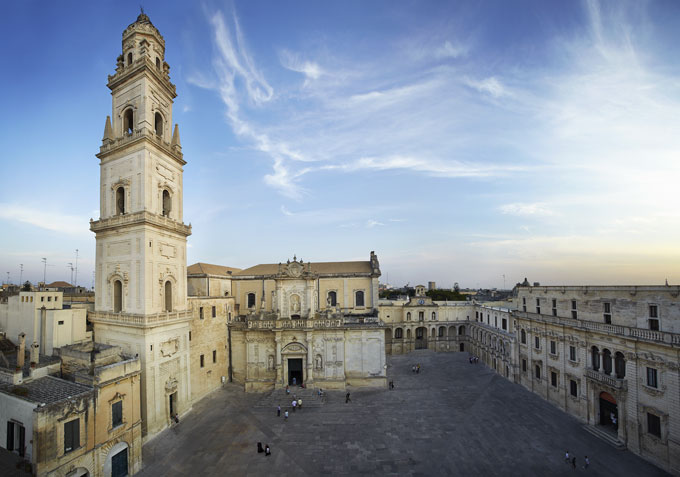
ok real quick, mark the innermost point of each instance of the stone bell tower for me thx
(141, 284)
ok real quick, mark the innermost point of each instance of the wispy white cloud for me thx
(523, 209)
(370, 223)
(491, 85)
(310, 69)
(451, 50)
(46, 219)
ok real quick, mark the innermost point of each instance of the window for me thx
(653, 311)
(476, 316)
(554, 307)
(441, 331)
(654, 324)
(608, 313)
(202, 361)
(359, 298)
(398, 333)
(505, 324)
(16, 437)
(120, 201)
(200, 312)
(128, 122)
(488, 319)
(537, 342)
(524, 365)
(158, 124)
(595, 358)
(652, 378)
(214, 311)
(190, 336)
(553, 347)
(166, 203)
(538, 371)
(523, 337)
(117, 413)
(573, 388)
(408, 316)
(574, 313)
(60, 322)
(553, 379)
(71, 435)
(653, 424)
(332, 298)
(572, 353)
(214, 356)
(538, 306)
(251, 300)
(42, 298)
(117, 296)
(129, 59)
(495, 321)
(158, 63)
(421, 315)
(168, 296)
(49, 298)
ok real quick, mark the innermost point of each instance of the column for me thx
(310, 359)
(601, 367)
(277, 360)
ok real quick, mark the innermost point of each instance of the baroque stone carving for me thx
(170, 347)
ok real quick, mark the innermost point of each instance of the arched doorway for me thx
(421, 338)
(609, 413)
(294, 360)
(116, 464)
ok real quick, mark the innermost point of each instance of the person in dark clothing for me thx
(573, 463)
(347, 399)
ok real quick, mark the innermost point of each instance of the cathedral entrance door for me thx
(421, 338)
(295, 370)
(609, 414)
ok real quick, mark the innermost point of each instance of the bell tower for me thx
(140, 283)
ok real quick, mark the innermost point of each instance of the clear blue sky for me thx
(462, 141)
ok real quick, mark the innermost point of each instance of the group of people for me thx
(474, 359)
(571, 459)
(415, 368)
(295, 404)
(267, 451)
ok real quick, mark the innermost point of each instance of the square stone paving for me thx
(453, 418)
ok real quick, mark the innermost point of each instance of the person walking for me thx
(294, 404)
(413, 368)
(278, 410)
(285, 416)
(347, 399)
(586, 464)
(267, 450)
(573, 463)
(566, 457)
(299, 403)
(294, 381)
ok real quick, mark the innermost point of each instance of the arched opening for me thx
(609, 413)
(442, 331)
(117, 296)
(607, 361)
(120, 201)
(595, 358)
(116, 463)
(251, 300)
(168, 296)
(619, 365)
(158, 124)
(421, 338)
(434, 316)
(408, 316)
(398, 333)
(128, 121)
(523, 336)
(408, 334)
(461, 330)
(167, 203)
(129, 59)
(158, 63)
(451, 331)
(462, 347)
(332, 298)
(433, 333)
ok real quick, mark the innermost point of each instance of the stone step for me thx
(605, 436)
(310, 398)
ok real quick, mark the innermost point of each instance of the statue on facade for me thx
(295, 304)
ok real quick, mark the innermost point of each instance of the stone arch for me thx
(461, 330)
(607, 361)
(452, 331)
(398, 334)
(158, 122)
(115, 450)
(619, 365)
(595, 358)
(128, 121)
(442, 332)
(408, 333)
(166, 202)
(167, 295)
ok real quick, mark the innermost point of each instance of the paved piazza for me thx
(452, 418)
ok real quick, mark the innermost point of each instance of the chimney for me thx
(35, 353)
(22, 350)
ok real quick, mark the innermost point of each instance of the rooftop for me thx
(321, 268)
(210, 269)
(45, 390)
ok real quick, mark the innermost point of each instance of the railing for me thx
(317, 323)
(143, 216)
(626, 331)
(137, 134)
(138, 320)
(606, 379)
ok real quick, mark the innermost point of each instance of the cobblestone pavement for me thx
(452, 418)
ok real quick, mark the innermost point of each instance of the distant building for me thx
(431, 285)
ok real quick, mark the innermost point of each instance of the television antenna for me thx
(70, 265)
(76, 283)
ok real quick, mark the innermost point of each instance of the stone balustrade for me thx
(606, 379)
(140, 217)
(139, 320)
